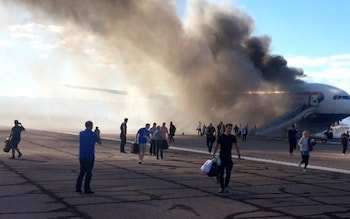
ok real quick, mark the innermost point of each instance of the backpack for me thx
(311, 143)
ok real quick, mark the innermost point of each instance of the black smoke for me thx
(206, 63)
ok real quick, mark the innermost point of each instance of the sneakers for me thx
(221, 190)
(78, 190)
(20, 155)
(304, 169)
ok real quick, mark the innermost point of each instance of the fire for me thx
(266, 92)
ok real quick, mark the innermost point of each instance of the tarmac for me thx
(266, 183)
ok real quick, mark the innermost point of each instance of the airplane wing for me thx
(120, 92)
(154, 96)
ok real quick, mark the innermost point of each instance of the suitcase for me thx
(8, 145)
(135, 148)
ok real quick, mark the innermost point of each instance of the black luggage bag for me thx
(135, 148)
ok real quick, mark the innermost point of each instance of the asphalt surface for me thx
(266, 183)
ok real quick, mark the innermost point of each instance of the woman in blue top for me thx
(304, 149)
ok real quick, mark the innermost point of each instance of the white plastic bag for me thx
(206, 166)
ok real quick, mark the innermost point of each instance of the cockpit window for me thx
(337, 97)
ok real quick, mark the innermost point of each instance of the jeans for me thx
(122, 143)
(225, 165)
(210, 142)
(159, 146)
(152, 149)
(305, 155)
(345, 147)
(292, 145)
(86, 166)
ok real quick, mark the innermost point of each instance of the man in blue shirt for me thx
(87, 140)
(142, 137)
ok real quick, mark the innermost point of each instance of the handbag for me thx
(206, 166)
(165, 144)
(214, 170)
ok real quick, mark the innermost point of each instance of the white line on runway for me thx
(329, 169)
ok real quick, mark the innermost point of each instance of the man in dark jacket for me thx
(15, 137)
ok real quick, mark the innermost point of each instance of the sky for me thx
(311, 35)
(43, 54)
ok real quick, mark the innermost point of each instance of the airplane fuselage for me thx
(313, 107)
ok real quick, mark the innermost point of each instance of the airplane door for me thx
(313, 100)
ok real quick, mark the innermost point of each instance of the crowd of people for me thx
(222, 139)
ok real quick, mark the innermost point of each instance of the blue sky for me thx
(306, 27)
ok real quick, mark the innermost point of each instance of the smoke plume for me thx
(204, 63)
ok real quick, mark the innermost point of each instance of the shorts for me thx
(142, 148)
(14, 143)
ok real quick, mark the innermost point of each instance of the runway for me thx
(266, 183)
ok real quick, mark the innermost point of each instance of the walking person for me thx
(304, 149)
(152, 131)
(87, 140)
(244, 134)
(292, 139)
(15, 138)
(344, 141)
(199, 128)
(98, 132)
(225, 143)
(211, 136)
(159, 142)
(123, 132)
(172, 130)
(142, 137)
(164, 134)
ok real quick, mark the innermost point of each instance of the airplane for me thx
(316, 108)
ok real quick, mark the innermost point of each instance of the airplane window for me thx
(337, 97)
